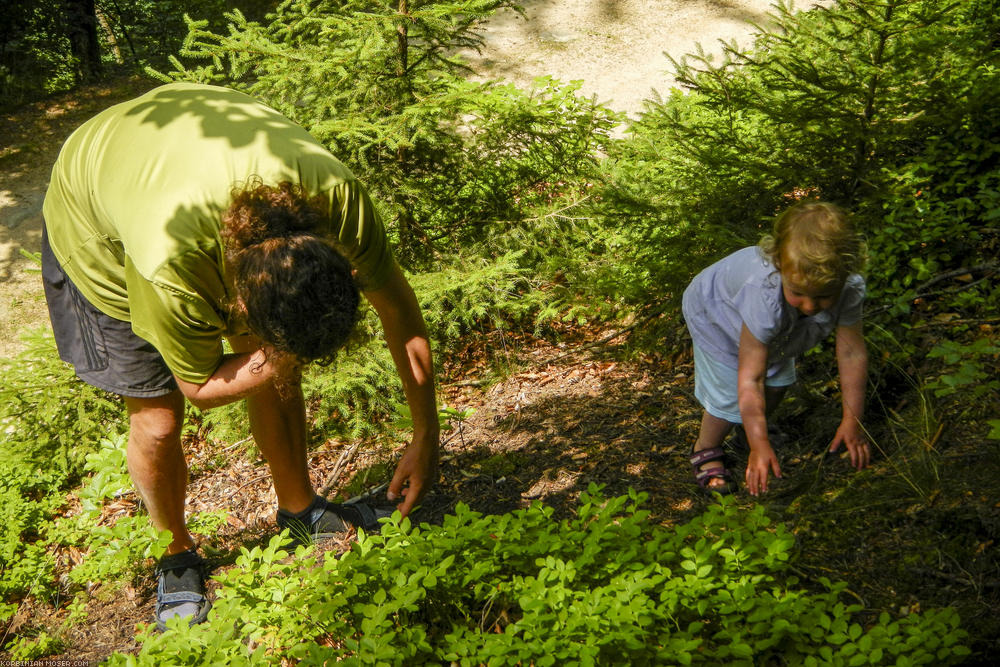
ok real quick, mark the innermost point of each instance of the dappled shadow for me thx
(222, 113)
(543, 13)
(568, 429)
(547, 435)
(737, 11)
(617, 49)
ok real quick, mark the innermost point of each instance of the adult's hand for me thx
(406, 337)
(416, 473)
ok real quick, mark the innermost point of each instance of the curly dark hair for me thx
(295, 286)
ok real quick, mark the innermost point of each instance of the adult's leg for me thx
(278, 425)
(713, 431)
(156, 463)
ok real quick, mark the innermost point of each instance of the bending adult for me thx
(194, 213)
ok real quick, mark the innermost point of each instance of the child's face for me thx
(807, 300)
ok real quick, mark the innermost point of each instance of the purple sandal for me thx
(703, 477)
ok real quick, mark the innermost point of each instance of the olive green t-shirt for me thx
(134, 211)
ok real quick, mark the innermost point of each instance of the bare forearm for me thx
(751, 401)
(750, 389)
(407, 340)
(415, 366)
(852, 364)
(853, 381)
(238, 376)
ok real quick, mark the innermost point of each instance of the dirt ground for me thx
(617, 48)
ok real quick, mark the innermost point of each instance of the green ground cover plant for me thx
(606, 586)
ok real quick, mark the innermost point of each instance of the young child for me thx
(752, 313)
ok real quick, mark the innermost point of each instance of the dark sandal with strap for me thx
(180, 590)
(704, 477)
(324, 520)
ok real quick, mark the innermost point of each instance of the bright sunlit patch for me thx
(683, 505)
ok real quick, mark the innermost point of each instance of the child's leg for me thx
(772, 399)
(715, 389)
(713, 431)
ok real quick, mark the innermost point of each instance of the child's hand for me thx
(850, 435)
(761, 461)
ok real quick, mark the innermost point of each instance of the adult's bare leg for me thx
(156, 463)
(278, 424)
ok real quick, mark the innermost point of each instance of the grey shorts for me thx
(104, 351)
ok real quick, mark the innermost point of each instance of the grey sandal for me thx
(180, 590)
(325, 520)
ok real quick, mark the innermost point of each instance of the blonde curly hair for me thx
(816, 243)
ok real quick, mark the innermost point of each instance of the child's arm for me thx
(852, 361)
(750, 387)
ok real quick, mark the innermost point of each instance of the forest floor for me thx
(914, 531)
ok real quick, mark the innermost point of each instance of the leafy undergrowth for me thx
(604, 586)
(887, 548)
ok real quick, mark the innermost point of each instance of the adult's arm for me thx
(237, 376)
(750, 387)
(406, 337)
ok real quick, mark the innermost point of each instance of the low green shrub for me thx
(29, 499)
(48, 417)
(606, 586)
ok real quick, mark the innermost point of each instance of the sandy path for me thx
(616, 47)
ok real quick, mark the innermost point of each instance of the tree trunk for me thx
(81, 29)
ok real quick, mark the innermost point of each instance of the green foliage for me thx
(29, 498)
(115, 553)
(109, 470)
(355, 394)
(844, 103)
(36, 58)
(30, 648)
(603, 587)
(33, 52)
(48, 417)
(381, 85)
(147, 32)
(972, 366)
(54, 430)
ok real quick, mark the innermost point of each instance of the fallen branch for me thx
(987, 269)
(956, 322)
(986, 583)
(465, 383)
(331, 481)
(252, 481)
